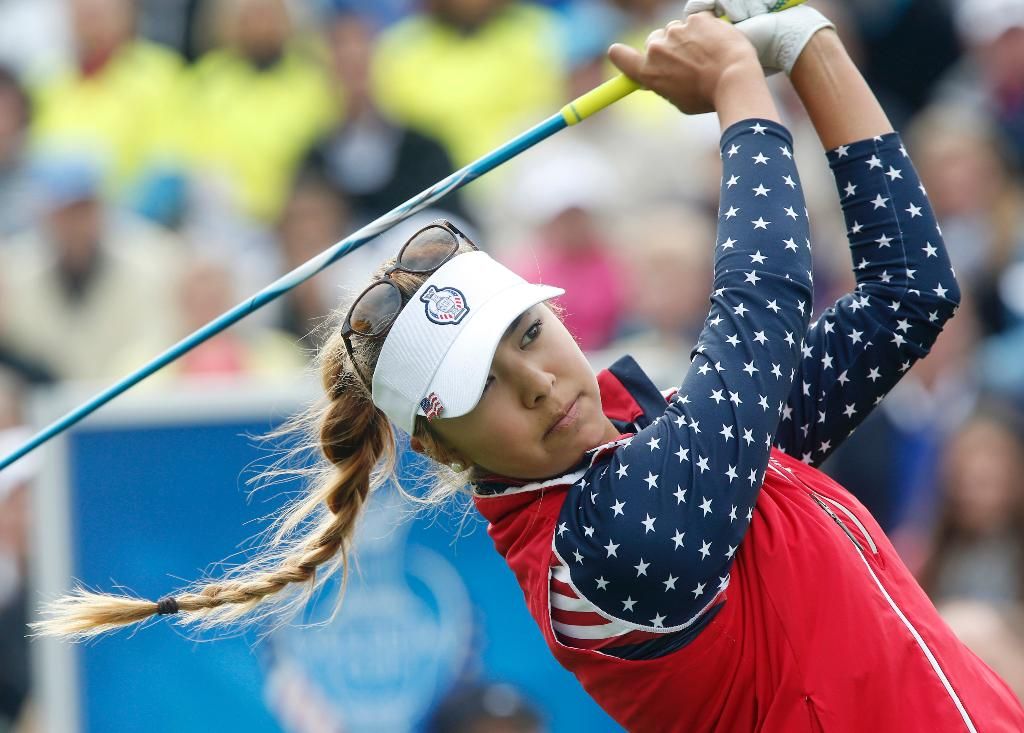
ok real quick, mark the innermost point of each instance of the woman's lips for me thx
(569, 418)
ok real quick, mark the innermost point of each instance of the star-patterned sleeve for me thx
(861, 346)
(648, 535)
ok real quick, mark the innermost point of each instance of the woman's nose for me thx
(536, 385)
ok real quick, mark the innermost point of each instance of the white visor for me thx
(437, 355)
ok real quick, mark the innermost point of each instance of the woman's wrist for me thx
(837, 99)
(742, 93)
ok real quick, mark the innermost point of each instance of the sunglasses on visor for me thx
(374, 310)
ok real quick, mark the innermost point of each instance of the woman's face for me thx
(541, 409)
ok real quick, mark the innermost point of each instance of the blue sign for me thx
(154, 496)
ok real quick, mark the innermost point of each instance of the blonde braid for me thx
(313, 535)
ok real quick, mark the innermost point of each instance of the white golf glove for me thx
(734, 10)
(780, 37)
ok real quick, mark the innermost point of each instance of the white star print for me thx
(761, 190)
(733, 150)
(627, 605)
(732, 514)
(940, 291)
(654, 443)
(620, 472)
(758, 128)
(670, 584)
(733, 211)
(617, 508)
(883, 241)
(842, 151)
(734, 397)
(874, 375)
(706, 506)
(751, 278)
(683, 454)
(773, 306)
(728, 243)
(611, 547)
(652, 480)
(786, 153)
(850, 411)
(641, 569)
(855, 336)
(760, 159)
(602, 583)
(726, 432)
(879, 201)
(702, 464)
(760, 223)
(678, 539)
(874, 162)
(731, 473)
(758, 257)
(790, 244)
(705, 549)
(698, 591)
(930, 251)
(717, 396)
(913, 211)
(680, 495)
(851, 188)
(791, 213)
(894, 173)
(577, 556)
(738, 310)
(856, 228)
(788, 180)
(733, 180)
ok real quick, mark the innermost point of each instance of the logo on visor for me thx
(445, 305)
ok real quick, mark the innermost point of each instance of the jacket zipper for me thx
(899, 613)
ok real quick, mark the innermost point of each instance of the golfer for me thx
(678, 551)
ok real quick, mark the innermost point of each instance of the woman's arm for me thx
(648, 536)
(839, 102)
(861, 347)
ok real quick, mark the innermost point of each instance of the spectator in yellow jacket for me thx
(258, 102)
(470, 72)
(120, 102)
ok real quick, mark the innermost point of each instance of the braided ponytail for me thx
(313, 534)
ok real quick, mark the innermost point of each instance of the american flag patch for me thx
(431, 406)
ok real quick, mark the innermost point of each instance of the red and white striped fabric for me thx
(577, 622)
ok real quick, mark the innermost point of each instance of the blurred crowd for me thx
(160, 160)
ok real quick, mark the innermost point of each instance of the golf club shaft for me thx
(576, 111)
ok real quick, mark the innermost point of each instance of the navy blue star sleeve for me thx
(861, 346)
(648, 536)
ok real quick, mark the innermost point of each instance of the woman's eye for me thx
(531, 333)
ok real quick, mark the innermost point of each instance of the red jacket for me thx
(822, 627)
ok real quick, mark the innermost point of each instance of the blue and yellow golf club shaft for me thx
(573, 113)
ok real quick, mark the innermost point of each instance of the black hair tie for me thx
(167, 606)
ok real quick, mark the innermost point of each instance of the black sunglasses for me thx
(374, 310)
